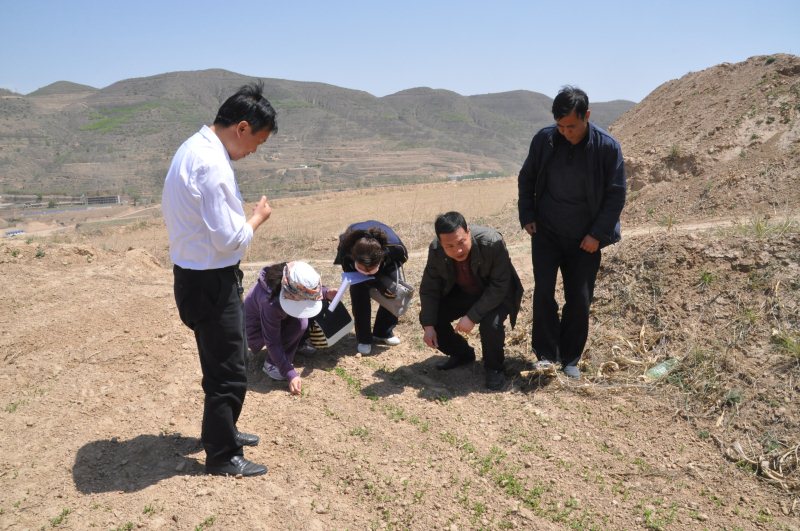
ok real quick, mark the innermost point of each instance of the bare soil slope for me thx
(101, 399)
(722, 140)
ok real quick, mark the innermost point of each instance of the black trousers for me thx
(561, 339)
(385, 321)
(210, 303)
(454, 306)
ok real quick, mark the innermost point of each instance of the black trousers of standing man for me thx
(455, 305)
(210, 303)
(563, 339)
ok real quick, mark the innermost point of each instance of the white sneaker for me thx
(391, 341)
(543, 365)
(364, 348)
(572, 371)
(272, 371)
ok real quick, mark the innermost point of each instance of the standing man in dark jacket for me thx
(571, 194)
(469, 276)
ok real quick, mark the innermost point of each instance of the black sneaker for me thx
(495, 380)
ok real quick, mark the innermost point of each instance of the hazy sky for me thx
(611, 49)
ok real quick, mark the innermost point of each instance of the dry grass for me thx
(314, 223)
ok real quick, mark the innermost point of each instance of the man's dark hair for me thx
(449, 222)
(249, 105)
(570, 98)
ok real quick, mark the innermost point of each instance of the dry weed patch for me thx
(717, 320)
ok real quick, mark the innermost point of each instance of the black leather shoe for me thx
(452, 362)
(495, 380)
(237, 466)
(247, 439)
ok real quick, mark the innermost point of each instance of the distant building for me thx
(104, 200)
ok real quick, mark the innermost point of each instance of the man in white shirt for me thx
(208, 234)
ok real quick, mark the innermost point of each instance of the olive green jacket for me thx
(489, 261)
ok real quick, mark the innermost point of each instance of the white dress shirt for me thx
(202, 206)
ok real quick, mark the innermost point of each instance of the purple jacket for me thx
(268, 326)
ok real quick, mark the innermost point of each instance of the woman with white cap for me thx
(277, 310)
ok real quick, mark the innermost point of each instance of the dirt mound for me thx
(725, 310)
(726, 139)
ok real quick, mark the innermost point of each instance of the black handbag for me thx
(328, 326)
(395, 293)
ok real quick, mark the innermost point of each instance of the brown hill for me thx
(726, 139)
(61, 88)
(72, 139)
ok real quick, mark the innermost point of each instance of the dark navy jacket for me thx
(605, 189)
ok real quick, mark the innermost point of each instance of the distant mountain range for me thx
(67, 138)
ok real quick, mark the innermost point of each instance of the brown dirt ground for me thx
(100, 389)
(100, 384)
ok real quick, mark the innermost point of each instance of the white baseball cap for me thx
(301, 290)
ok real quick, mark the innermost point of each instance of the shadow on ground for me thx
(128, 466)
(430, 383)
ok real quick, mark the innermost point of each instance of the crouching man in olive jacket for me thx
(469, 276)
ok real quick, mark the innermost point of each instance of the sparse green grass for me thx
(668, 222)
(61, 518)
(713, 497)
(149, 509)
(395, 413)
(109, 119)
(12, 407)
(769, 443)
(205, 524)
(733, 397)
(454, 117)
(706, 278)
(360, 431)
(674, 153)
(352, 382)
(698, 374)
(787, 343)
(423, 425)
(127, 526)
(643, 465)
(762, 227)
(657, 517)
